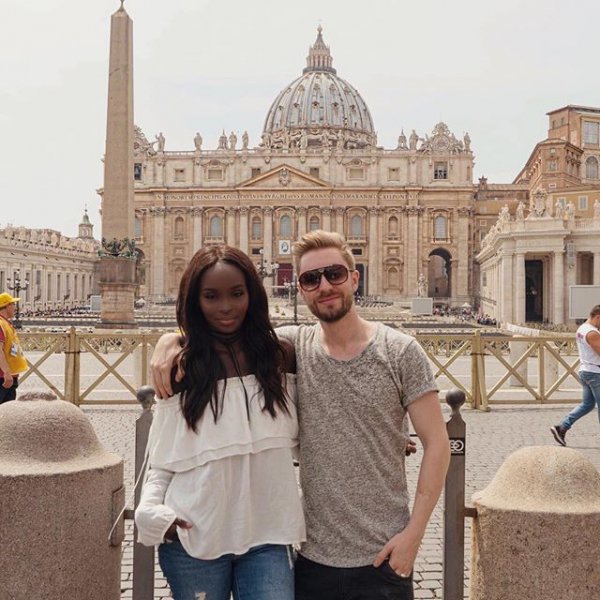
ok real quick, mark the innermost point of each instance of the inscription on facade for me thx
(285, 196)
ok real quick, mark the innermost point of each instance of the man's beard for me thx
(331, 314)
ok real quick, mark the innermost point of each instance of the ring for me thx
(403, 575)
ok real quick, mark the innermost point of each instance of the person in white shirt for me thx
(221, 497)
(588, 346)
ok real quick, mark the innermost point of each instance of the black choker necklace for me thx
(226, 338)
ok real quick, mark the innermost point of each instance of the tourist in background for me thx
(12, 361)
(588, 346)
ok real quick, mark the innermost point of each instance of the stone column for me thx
(412, 244)
(268, 246)
(506, 307)
(301, 221)
(559, 288)
(340, 213)
(461, 279)
(374, 241)
(596, 268)
(570, 279)
(519, 288)
(158, 252)
(244, 210)
(230, 226)
(197, 227)
(326, 218)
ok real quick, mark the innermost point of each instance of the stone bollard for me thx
(60, 493)
(537, 528)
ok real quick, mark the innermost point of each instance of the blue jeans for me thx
(591, 398)
(263, 573)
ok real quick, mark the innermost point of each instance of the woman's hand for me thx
(172, 531)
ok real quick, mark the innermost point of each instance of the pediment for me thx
(284, 177)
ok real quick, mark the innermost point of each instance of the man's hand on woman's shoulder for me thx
(163, 359)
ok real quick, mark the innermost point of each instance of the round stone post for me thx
(60, 493)
(537, 528)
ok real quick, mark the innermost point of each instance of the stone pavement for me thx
(491, 437)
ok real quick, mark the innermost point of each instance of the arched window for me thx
(285, 226)
(256, 228)
(440, 228)
(216, 226)
(179, 228)
(393, 227)
(313, 223)
(591, 168)
(356, 226)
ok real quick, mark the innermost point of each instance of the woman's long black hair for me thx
(202, 366)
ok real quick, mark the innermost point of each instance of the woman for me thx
(221, 496)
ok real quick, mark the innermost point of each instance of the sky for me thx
(492, 69)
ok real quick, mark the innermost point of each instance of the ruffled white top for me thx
(234, 480)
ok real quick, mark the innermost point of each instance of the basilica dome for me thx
(319, 109)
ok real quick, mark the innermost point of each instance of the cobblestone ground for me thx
(491, 437)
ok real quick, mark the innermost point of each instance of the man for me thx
(356, 382)
(588, 346)
(12, 361)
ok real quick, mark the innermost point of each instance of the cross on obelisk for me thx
(117, 262)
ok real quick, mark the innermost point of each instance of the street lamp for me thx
(263, 267)
(15, 285)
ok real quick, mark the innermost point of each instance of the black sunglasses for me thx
(335, 275)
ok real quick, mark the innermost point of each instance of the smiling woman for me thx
(221, 498)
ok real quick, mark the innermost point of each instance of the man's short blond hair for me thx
(317, 239)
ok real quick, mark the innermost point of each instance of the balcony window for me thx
(440, 170)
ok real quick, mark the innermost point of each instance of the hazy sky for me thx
(490, 68)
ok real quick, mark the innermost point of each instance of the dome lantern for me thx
(319, 57)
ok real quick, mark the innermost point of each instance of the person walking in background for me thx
(12, 361)
(588, 346)
(221, 498)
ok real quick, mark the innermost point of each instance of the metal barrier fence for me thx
(107, 368)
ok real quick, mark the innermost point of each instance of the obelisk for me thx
(117, 262)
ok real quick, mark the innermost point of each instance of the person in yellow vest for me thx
(12, 361)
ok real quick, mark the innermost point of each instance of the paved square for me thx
(491, 437)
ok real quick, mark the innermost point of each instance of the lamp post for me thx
(263, 267)
(15, 285)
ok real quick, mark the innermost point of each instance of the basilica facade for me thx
(405, 211)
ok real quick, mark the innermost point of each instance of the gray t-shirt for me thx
(352, 441)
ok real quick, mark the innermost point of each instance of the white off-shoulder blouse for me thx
(234, 480)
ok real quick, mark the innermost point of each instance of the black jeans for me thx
(319, 582)
(10, 393)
